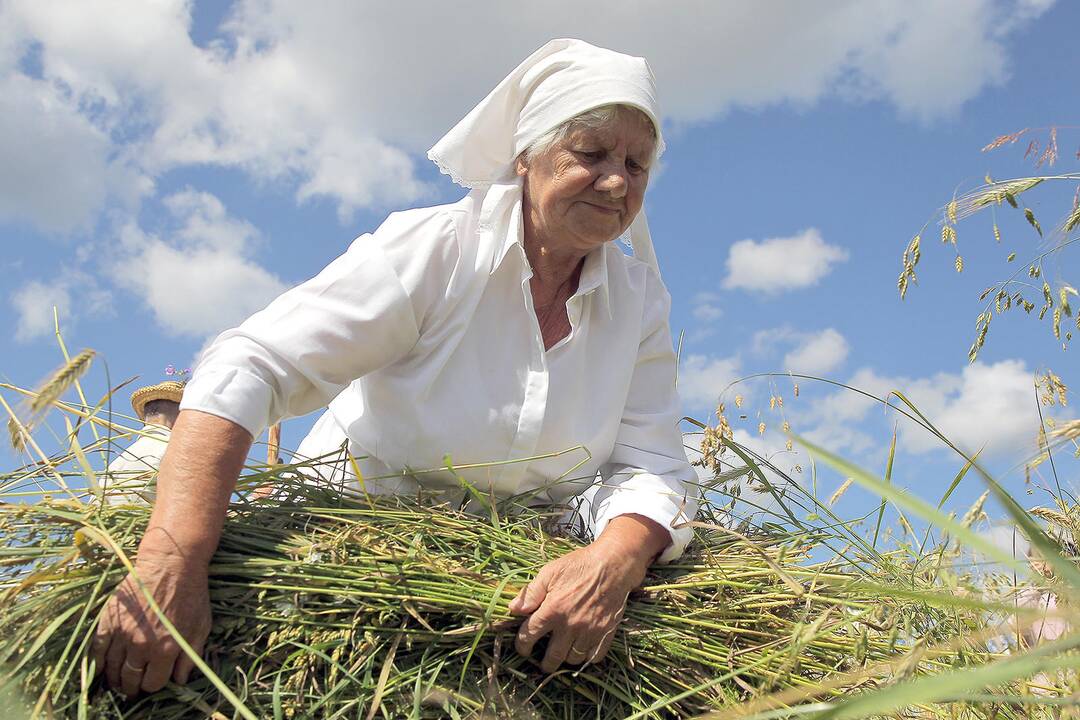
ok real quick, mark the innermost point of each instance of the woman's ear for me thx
(520, 166)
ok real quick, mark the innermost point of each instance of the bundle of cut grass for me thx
(331, 606)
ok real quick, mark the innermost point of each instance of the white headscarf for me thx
(561, 80)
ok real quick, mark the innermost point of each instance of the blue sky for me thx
(170, 167)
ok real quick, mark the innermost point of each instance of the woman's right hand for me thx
(132, 646)
(198, 473)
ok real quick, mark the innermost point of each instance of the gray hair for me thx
(595, 119)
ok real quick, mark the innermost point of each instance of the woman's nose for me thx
(612, 180)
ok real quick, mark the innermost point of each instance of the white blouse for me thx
(423, 340)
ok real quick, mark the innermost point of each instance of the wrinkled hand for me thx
(133, 648)
(579, 599)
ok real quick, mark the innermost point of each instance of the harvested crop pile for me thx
(332, 606)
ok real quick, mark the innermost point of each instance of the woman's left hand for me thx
(579, 598)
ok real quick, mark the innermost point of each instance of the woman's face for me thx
(586, 189)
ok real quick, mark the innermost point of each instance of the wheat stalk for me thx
(15, 434)
(61, 380)
(49, 392)
(840, 491)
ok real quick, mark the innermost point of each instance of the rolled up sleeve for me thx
(648, 473)
(361, 313)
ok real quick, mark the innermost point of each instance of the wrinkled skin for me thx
(582, 193)
(131, 636)
(585, 190)
(579, 598)
(132, 647)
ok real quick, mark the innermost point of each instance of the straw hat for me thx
(168, 390)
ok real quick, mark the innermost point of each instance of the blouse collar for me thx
(594, 274)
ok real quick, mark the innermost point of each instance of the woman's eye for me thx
(591, 154)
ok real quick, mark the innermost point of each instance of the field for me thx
(335, 604)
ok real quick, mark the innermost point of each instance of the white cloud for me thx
(74, 294)
(811, 352)
(772, 446)
(256, 106)
(769, 451)
(33, 304)
(776, 265)
(989, 406)
(337, 98)
(994, 407)
(767, 340)
(702, 379)
(206, 223)
(786, 52)
(707, 307)
(848, 439)
(357, 173)
(202, 278)
(817, 353)
(56, 163)
(915, 69)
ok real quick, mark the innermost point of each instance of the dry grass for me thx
(46, 396)
(331, 605)
(1015, 292)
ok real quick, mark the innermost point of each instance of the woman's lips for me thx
(603, 208)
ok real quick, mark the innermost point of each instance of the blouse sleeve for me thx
(365, 310)
(648, 473)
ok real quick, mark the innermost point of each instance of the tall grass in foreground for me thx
(325, 605)
(329, 604)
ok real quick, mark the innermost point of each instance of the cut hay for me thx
(330, 606)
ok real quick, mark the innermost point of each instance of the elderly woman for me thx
(499, 330)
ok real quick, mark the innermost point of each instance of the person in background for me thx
(1051, 625)
(132, 475)
(1026, 632)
